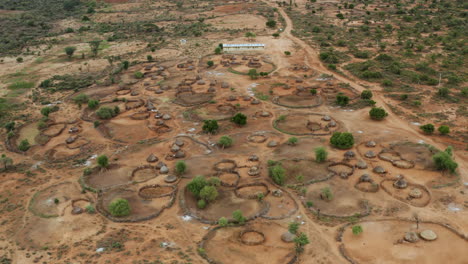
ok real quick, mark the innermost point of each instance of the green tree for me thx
(253, 74)
(342, 99)
(341, 140)
(103, 161)
(278, 174)
(366, 94)
(196, 185)
(444, 130)
(223, 221)
(180, 167)
(70, 51)
(6, 161)
(292, 141)
(271, 23)
(81, 99)
(427, 128)
(210, 126)
(119, 207)
(105, 113)
(239, 119)
(300, 241)
(377, 113)
(357, 229)
(321, 154)
(293, 227)
(201, 204)
(10, 126)
(218, 50)
(250, 35)
(210, 63)
(45, 111)
(93, 104)
(239, 217)
(326, 193)
(443, 160)
(209, 193)
(340, 16)
(138, 75)
(225, 141)
(24, 145)
(94, 45)
(125, 65)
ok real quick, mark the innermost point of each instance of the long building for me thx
(243, 47)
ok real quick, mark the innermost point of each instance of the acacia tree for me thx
(94, 45)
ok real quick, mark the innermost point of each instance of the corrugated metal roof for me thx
(244, 45)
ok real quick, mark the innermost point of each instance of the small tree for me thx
(105, 113)
(443, 160)
(24, 145)
(103, 161)
(238, 217)
(250, 35)
(278, 174)
(210, 126)
(342, 99)
(93, 104)
(239, 119)
(321, 154)
(377, 113)
(70, 51)
(253, 74)
(300, 241)
(138, 75)
(292, 141)
(357, 229)
(10, 126)
(180, 167)
(225, 141)
(210, 63)
(326, 194)
(119, 207)
(209, 193)
(223, 221)
(196, 185)
(218, 50)
(201, 204)
(6, 161)
(94, 45)
(444, 130)
(427, 128)
(366, 94)
(45, 111)
(271, 23)
(313, 91)
(287, 53)
(125, 65)
(343, 140)
(293, 227)
(81, 99)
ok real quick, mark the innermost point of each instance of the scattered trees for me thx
(321, 154)
(239, 119)
(225, 141)
(377, 113)
(70, 51)
(119, 207)
(210, 126)
(209, 193)
(10, 126)
(218, 50)
(204, 190)
(180, 167)
(81, 99)
(341, 140)
(103, 161)
(196, 185)
(427, 128)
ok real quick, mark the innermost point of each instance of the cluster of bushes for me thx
(342, 140)
(204, 189)
(107, 112)
(443, 160)
(430, 128)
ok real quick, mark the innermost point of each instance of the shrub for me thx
(292, 141)
(214, 181)
(19, 60)
(81, 99)
(96, 123)
(90, 209)
(427, 128)
(321, 154)
(293, 227)
(223, 221)
(116, 110)
(278, 174)
(326, 193)
(366, 94)
(444, 130)
(119, 207)
(196, 185)
(238, 217)
(253, 74)
(45, 111)
(210, 126)
(218, 50)
(342, 99)
(239, 119)
(282, 118)
(10, 126)
(105, 113)
(138, 75)
(443, 92)
(93, 104)
(103, 161)
(332, 67)
(275, 35)
(377, 113)
(180, 167)
(24, 145)
(341, 140)
(300, 241)
(69, 51)
(210, 63)
(357, 229)
(287, 53)
(313, 91)
(41, 125)
(209, 193)
(443, 160)
(271, 23)
(387, 83)
(225, 141)
(201, 204)
(340, 16)
(309, 204)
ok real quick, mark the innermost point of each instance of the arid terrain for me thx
(130, 134)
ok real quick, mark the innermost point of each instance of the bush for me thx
(278, 174)
(180, 167)
(321, 154)
(119, 207)
(238, 217)
(10, 126)
(210, 63)
(293, 227)
(342, 99)
(332, 67)
(90, 209)
(105, 113)
(366, 94)
(326, 193)
(275, 35)
(103, 161)
(313, 91)
(300, 241)
(287, 53)
(96, 123)
(427, 128)
(41, 125)
(196, 185)
(443, 160)
(387, 83)
(138, 75)
(377, 113)
(24, 145)
(340, 16)
(341, 140)
(253, 74)
(69, 51)
(292, 141)
(223, 221)
(209, 193)
(93, 104)
(225, 141)
(214, 181)
(201, 204)
(444, 130)
(239, 119)
(81, 99)
(218, 50)
(210, 126)
(45, 111)
(443, 92)
(357, 229)
(271, 23)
